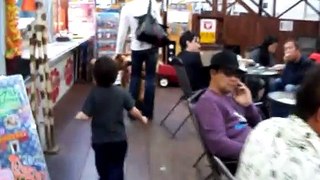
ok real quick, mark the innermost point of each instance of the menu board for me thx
(21, 156)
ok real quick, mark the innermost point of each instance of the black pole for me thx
(165, 23)
(260, 7)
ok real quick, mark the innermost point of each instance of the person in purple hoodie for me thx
(226, 111)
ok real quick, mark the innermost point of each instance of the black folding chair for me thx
(218, 166)
(186, 89)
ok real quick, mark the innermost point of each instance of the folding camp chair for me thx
(186, 89)
(218, 166)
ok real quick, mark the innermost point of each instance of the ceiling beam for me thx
(210, 3)
(224, 6)
(261, 9)
(214, 7)
(243, 4)
(231, 4)
(260, 5)
(289, 8)
(274, 8)
(312, 7)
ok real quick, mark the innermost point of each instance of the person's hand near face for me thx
(242, 95)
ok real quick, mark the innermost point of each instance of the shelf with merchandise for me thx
(106, 42)
(107, 25)
(109, 53)
(106, 36)
(107, 46)
(106, 30)
(107, 22)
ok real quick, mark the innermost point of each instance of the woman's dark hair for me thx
(308, 95)
(186, 36)
(105, 71)
(264, 55)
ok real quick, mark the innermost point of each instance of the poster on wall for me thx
(81, 14)
(21, 155)
(208, 30)
(286, 26)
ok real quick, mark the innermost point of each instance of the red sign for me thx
(68, 72)
(55, 82)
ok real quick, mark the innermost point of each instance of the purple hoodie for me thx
(224, 124)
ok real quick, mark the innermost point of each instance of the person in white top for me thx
(287, 148)
(140, 51)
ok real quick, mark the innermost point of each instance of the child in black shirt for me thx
(104, 105)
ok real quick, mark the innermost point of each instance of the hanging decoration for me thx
(13, 35)
(40, 76)
(28, 5)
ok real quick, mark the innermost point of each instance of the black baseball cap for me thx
(226, 59)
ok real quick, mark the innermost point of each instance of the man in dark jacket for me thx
(296, 66)
(190, 56)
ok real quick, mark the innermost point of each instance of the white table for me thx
(57, 49)
(262, 72)
(62, 65)
(282, 97)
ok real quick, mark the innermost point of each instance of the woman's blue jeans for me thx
(150, 57)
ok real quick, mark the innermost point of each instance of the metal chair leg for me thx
(199, 159)
(171, 110)
(180, 126)
(263, 110)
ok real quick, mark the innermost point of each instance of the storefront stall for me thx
(71, 52)
(65, 60)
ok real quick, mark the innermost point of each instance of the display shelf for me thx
(107, 22)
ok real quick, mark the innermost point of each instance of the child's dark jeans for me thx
(109, 159)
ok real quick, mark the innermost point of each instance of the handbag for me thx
(150, 31)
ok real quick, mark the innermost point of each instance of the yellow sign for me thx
(207, 37)
(208, 31)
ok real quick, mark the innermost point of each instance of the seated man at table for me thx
(296, 66)
(225, 111)
(287, 148)
(190, 56)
